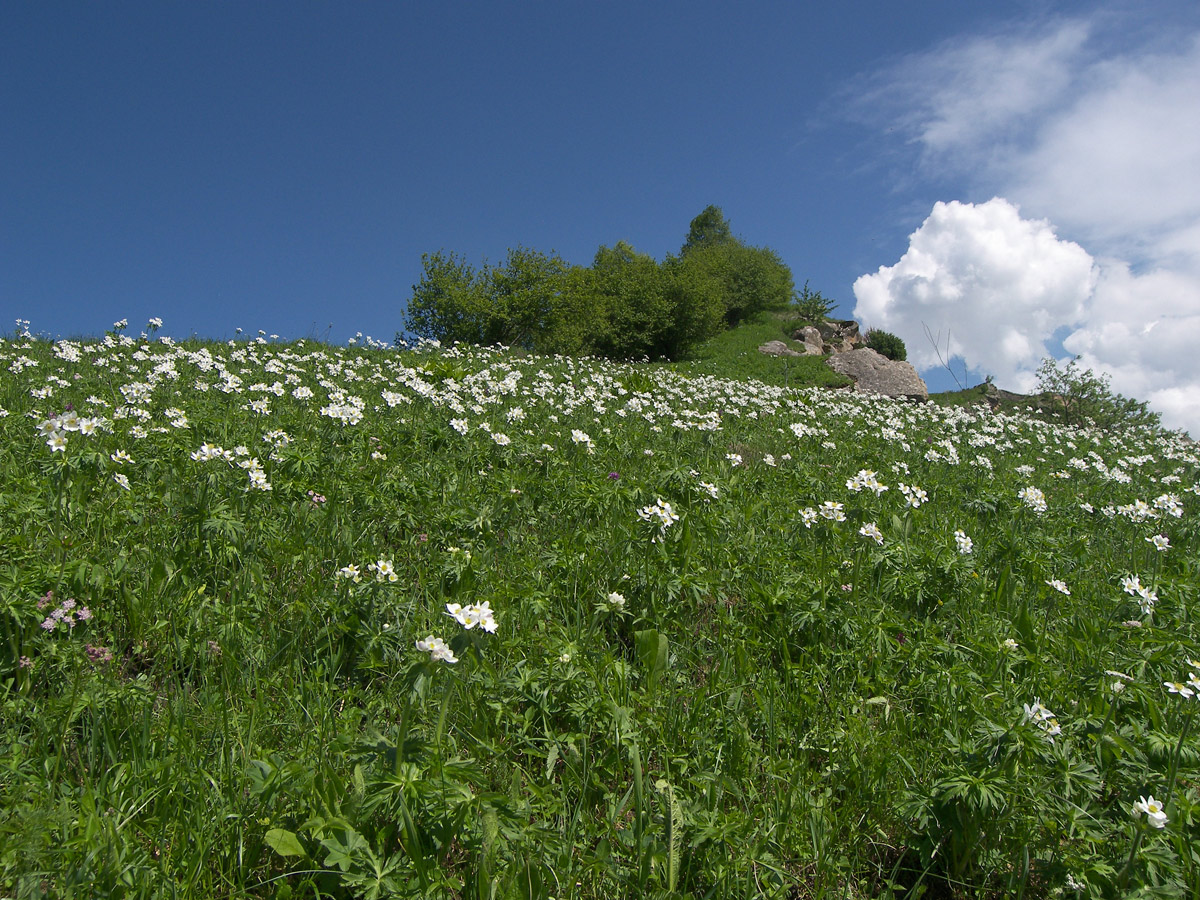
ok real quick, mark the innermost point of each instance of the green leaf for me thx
(652, 651)
(285, 843)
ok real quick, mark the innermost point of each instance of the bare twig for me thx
(945, 362)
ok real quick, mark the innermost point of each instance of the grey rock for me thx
(777, 348)
(874, 373)
(814, 345)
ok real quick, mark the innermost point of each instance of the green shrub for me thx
(888, 344)
(812, 306)
(1083, 395)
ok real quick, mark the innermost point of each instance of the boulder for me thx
(777, 348)
(814, 345)
(874, 373)
(831, 336)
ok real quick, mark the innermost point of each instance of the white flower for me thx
(502, 439)
(1169, 503)
(1160, 542)
(1182, 690)
(616, 600)
(476, 614)
(1033, 498)
(871, 530)
(351, 572)
(1010, 645)
(1153, 810)
(661, 513)
(1043, 718)
(1060, 586)
(122, 480)
(734, 458)
(866, 479)
(832, 510)
(964, 543)
(384, 570)
(207, 452)
(808, 515)
(438, 649)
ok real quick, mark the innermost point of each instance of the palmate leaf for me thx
(343, 847)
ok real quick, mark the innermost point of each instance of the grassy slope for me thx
(776, 710)
(734, 354)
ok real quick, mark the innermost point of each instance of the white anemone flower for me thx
(1153, 810)
(437, 649)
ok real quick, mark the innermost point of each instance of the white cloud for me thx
(1144, 330)
(1103, 144)
(994, 285)
(1121, 165)
(968, 94)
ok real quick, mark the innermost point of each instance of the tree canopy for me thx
(626, 305)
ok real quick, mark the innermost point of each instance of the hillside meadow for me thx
(297, 620)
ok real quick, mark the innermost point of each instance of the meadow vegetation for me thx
(297, 620)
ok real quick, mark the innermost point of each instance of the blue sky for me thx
(283, 166)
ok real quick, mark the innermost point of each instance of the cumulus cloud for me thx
(995, 286)
(1096, 144)
(1144, 330)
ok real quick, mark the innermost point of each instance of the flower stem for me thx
(1137, 842)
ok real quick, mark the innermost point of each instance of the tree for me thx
(812, 306)
(1085, 396)
(523, 294)
(708, 229)
(449, 303)
(625, 306)
(516, 304)
(579, 321)
(637, 309)
(752, 279)
(696, 303)
(756, 280)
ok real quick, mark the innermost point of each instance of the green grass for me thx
(734, 354)
(750, 641)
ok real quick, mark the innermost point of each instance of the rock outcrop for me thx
(814, 344)
(874, 373)
(831, 336)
